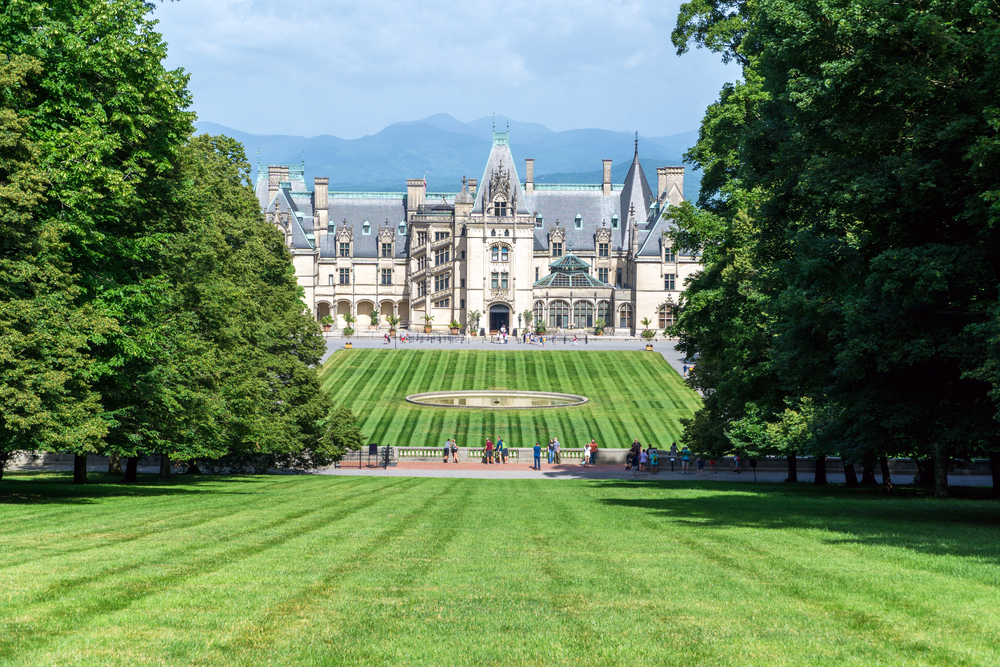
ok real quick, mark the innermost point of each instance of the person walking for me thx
(593, 452)
(488, 452)
(654, 460)
(551, 450)
(502, 450)
(685, 461)
(673, 455)
(701, 467)
(538, 456)
(447, 450)
(454, 450)
(556, 448)
(736, 464)
(643, 460)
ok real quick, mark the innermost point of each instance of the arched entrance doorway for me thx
(499, 317)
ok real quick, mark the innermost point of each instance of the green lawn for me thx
(632, 395)
(309, 570)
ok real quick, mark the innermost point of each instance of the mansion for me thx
(568, 254)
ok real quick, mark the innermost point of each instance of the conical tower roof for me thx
(500, 168)
(636, 190)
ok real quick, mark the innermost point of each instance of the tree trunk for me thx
(820, 470)
(164, 466)
(940, 471)
(995, 470)
(793, 473)
(79, 468)
(193, 468)
(132, 469)
(850, 476)
(886, 479)
(868, 475)
(114, 465)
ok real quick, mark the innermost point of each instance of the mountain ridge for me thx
(444, 149)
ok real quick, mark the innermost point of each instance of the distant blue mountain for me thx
(446, 149)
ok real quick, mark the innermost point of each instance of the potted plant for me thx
(393, 323)
(348, 331)
(455, 327)
(540, 328)
(374, 320)
(327, 322)
(599, 326)
(647, 333)
(473, 321)
(427, 322)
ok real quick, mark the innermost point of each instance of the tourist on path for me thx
(538, 457)
(701, 466)
(685, 461)
(488, 452)
(454, 450)
(593, 452)
(552, 451)
(643, 460)
(447, 450)
(654, 460)
(557, 447)
(501, 451)
(736, 464)
(673, 455)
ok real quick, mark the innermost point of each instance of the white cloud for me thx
(350, 68)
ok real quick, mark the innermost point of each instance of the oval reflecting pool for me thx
(496, 400)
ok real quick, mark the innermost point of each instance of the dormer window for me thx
(579, 221)
(366, 228)
(538, 221)
(402, 228)
(614, 221)
(500, 207)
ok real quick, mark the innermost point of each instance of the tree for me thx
(45, 402)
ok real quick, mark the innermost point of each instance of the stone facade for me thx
(569, 254)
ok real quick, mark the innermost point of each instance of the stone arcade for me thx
(571, 254)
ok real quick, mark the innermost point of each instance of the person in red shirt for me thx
(488, 453)
(593, 452)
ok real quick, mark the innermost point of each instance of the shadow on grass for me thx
(909, 518)
(39, 488)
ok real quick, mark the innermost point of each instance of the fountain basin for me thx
(497, 399)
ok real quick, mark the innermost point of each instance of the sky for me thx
(349, 69)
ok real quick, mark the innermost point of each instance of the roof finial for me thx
(637, 143)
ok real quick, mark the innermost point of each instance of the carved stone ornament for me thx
(603, 235)
(385, 234)
(501, 295)
(558, 234)
(346, 234)
(500, 186)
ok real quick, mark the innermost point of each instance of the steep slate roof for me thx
(376, 210)
(500, 155)
(564, 205)
(636, 191)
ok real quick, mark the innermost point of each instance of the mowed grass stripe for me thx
(626, 392)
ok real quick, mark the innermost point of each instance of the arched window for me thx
(539, 312)
(500, 253)
(625, 316)
(506, 232)
(667, 318)
(604, 312)
(583, 315)
(495, 253)
(493, 232)
(558, 314)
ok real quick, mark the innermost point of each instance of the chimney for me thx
(273, 178)
(529, 176)
(472, 187)
(321, 211)
(674, 184)
(607, 177)
(414, 193)
(661, 182)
